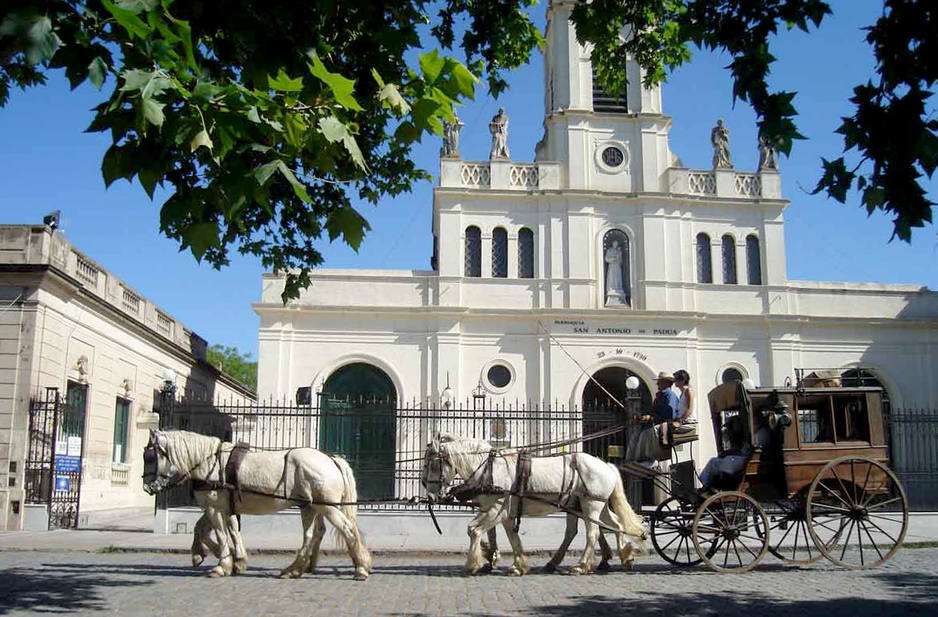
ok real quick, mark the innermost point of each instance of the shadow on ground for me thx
(55, 590)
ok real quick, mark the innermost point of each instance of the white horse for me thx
(580, 480)
(269, 481)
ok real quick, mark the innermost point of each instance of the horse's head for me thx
(158, 469)
(438, 472)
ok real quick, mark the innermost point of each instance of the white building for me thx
(67, 323)
(520, 301)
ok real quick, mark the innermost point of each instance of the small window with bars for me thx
(473, 257)
(729, 260)
(525, 253)
(499, 253)
(121, 429)
(704, 263)
(753, 261)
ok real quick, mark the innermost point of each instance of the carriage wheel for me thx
(857, 512)
(672, 533)
(730, 532)
(788, 531)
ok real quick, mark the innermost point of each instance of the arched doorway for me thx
(600, 411)
(357, 405)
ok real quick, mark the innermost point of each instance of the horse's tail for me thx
(349, 508)
(631, 522)
(349, 491)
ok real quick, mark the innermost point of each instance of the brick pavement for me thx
(151, 584)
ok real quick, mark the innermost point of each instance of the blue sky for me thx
(47, 162)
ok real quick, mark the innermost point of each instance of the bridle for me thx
(442, 459)
(151, 454)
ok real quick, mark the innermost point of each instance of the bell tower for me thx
(602, 142)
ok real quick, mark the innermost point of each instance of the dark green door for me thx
(357, 406)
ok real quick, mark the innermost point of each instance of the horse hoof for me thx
(240, 566)
(197, 561)
(360, 575)
(217, 572)
(577, 570)
(513, 571)
(603, 566)
(290, 573)
(629, 565)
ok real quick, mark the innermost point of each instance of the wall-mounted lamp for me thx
(478, 396)
(446, 396)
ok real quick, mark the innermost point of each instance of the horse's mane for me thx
(465, 454)
(188, 450)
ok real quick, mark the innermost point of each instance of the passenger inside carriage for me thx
(723, 471)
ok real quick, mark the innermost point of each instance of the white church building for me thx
(603, 258)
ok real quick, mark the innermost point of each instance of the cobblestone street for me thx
(151, 584)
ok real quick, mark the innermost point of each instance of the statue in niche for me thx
(767, 157)
(720, 138)
(615, 291)
(451, 131)
(499, 129)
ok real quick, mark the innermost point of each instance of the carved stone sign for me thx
(575, 326)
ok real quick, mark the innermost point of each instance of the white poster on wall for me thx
(74, 445)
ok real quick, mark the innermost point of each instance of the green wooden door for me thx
(357, 420)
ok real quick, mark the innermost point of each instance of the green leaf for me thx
(206, 91)
(465, 80)
(377, 77)
(283, 83)
(340, 86)
(148, 177)
(263, 173)
(201, 139)
(42, 41)
(298, 189)
(390, 95)
(97, 72)
(350, 224)
(431, 64)
(117, 164)
(200, 237)
(185, 34)
(332, 129)
(138, 6)
(153, 112)
(128, 20)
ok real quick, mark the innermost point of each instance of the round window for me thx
(613, 156)
(498, 376)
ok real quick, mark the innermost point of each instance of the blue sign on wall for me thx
(67, 464)
(61, 483)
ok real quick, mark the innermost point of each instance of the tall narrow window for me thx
(121, 416)
(617, 282)
(704, 265)
(753, 260)
(473, 251)
(500, 253)
(525, 253)
(729, 260)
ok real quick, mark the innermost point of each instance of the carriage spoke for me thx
(846, 544)
(872, 541)
(736, 550)
(748, 537)
(869, 468)
(842, 486)
(827, 527)
(833, 493)
(716, 518)
(687, 549)
(829, 507)
(883, 503)
(726, 555)
(748, 549)
(677, 537)
(882, 531)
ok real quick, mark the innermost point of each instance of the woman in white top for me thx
(685, 406)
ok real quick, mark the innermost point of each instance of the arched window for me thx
(525, 253)
(729, 260)
(730, 375)
(499, 253)
(704, 265)
(616, 282)
(753, 261)
(865, 378)
(473, 255)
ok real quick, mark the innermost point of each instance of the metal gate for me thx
(53, 462)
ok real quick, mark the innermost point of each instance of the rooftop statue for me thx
(499, 129)
(451, 131)
(720, 138)
(767, 157)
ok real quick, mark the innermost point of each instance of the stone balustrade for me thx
(766, 184)
(38, 244)
(499, 175)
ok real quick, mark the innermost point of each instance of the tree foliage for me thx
(266, 121)
(236, 364)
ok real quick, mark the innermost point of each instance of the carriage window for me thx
(814, 419)
(851, 419)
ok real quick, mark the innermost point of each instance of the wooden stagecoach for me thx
(812, 480)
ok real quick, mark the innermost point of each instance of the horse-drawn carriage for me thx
(810, 479)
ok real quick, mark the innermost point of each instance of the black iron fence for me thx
(384, 441)
(913, 448)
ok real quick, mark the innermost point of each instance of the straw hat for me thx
(662, 376)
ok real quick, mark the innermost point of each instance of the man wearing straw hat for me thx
(645, 445)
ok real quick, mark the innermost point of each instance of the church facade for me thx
(603, 258)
